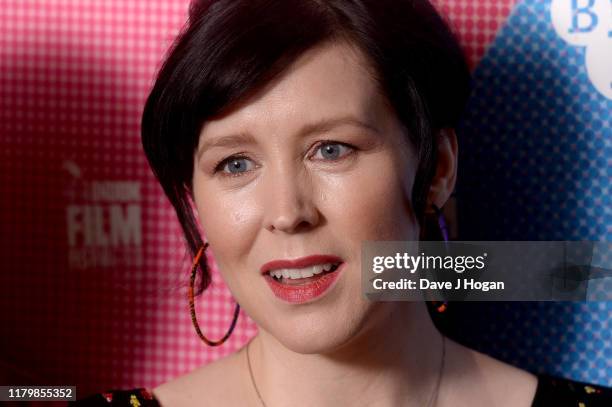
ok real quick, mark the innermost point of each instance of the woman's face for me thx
(315, 164)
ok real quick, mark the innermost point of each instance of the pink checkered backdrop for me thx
(94, 271)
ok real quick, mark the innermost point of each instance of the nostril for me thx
(291, 225)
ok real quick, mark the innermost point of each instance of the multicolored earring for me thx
(441, 306)
(441, 223)
(194, 320)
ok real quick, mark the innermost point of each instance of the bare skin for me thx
(288, 201)
(470, 379)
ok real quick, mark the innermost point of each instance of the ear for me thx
(443, 182)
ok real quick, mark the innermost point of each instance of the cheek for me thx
(375, 203)
(228, 223)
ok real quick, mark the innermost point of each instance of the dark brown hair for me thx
(229, 49)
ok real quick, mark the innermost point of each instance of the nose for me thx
(290, 203)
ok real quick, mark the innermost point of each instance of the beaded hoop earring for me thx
(194, 320)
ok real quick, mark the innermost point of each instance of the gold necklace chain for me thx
(263, 404)
(432, 398)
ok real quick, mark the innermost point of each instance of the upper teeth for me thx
(303, 272)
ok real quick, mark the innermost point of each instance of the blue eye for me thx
(238, 165)
(234, 165)
(333, 151)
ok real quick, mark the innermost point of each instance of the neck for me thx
(396, 362)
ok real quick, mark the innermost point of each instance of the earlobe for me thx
(443, 182)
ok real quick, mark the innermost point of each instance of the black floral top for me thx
(127, 398)
(551, 392)
(557, 392)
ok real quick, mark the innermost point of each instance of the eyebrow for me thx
(322, 126)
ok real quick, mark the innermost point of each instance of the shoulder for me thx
(564, 392)
(218, 383)
(493, 382)
(480, 380)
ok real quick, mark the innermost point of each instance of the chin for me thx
(320, 332)
(311, 342)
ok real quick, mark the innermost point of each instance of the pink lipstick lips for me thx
(302, 280)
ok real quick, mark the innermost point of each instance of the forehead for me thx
(329, 81)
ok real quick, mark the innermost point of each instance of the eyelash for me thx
(221, 164)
